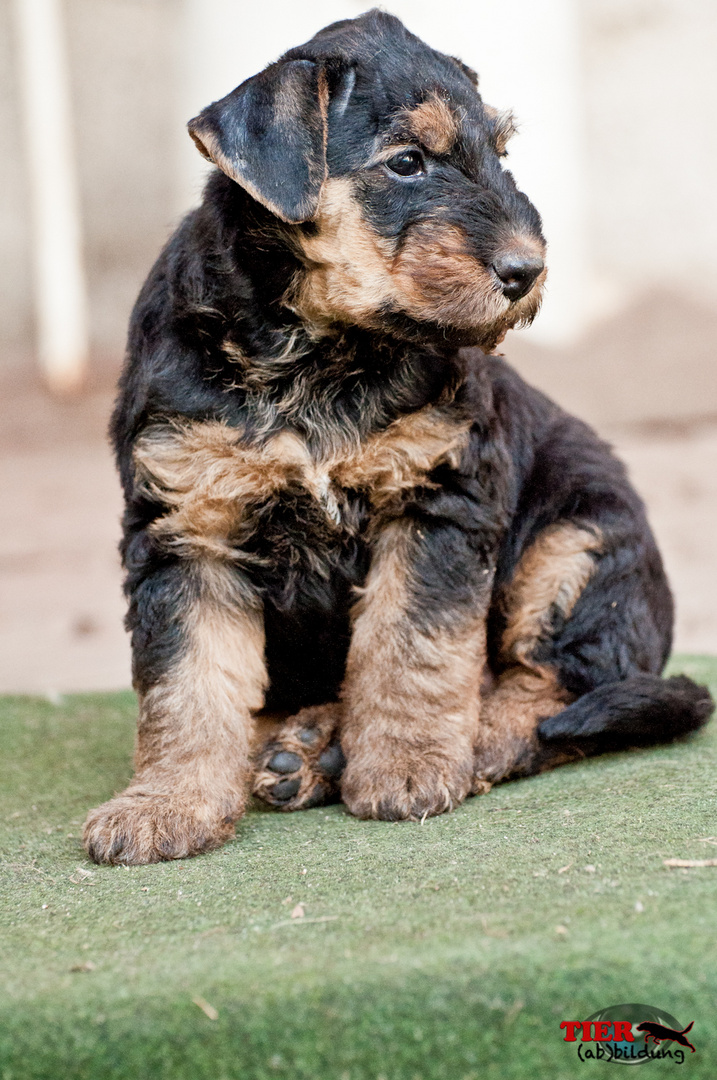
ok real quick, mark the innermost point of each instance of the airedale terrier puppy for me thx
(362, 555)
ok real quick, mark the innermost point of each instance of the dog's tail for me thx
(688, 1028)
(640, 711)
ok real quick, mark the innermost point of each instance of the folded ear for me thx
(270, 136)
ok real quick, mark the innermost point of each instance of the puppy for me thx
(342, 514)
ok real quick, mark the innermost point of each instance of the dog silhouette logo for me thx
(660, 1034)
(629, 1034)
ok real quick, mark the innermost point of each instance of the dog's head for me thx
(382, 159)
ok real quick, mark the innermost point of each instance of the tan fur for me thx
(208, 477)
(352, 274)
(401, 457)
(434, 124)
(411, 697)
(324, 110)
(348, 276)
(194, 738)
(235, 353)
(550, 576)
(507, 742)
(441, 282)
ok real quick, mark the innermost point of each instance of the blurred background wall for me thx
(617, 106)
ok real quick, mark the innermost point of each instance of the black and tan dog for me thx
(341, 511)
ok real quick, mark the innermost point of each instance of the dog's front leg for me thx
(413, 675)
(198, 642)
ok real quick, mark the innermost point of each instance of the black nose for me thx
(517, 273)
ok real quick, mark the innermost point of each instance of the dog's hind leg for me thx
(507, 742)
(544, 590)
(299, 762)
(580, 653)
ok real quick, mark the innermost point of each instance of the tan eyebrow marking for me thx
(433, 123)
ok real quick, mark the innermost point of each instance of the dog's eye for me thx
(407, 163)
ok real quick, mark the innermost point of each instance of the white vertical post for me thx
(60, 290)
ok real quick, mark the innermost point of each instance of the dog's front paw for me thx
(148, 828)
(392, 781)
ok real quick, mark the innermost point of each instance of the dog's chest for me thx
(328, 497)
(220, 491)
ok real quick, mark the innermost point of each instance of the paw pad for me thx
(284, 762)
(301, 766)
(308, 736)
(332, 761)
(285, 789)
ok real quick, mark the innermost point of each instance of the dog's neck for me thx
(336, 382)
(344, 388)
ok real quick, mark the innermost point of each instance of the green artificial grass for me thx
(451, 949)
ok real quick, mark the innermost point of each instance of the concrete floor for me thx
(61, 606)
